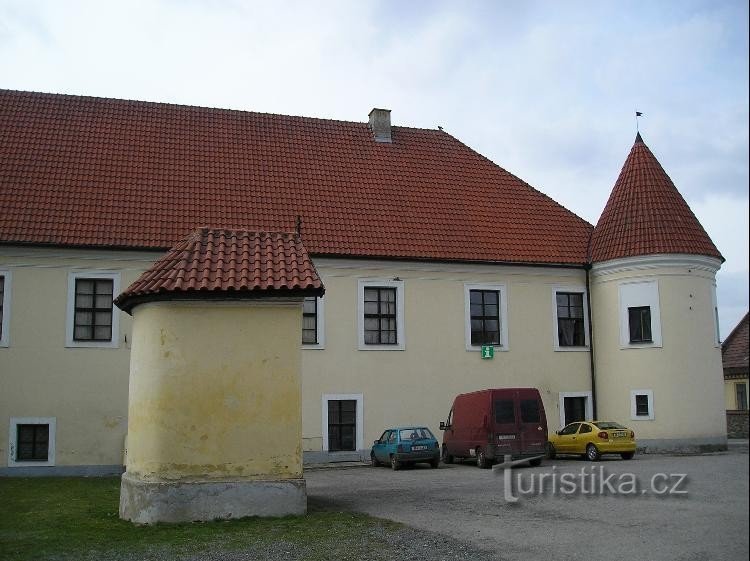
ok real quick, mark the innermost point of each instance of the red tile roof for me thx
(645, 214)
(227, 264)
(82, 171)
(735, 349)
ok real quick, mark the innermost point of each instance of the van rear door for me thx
(504, 424)
(532, 422)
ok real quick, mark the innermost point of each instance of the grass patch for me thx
(77, 518)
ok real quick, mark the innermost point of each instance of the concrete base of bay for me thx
(148, 502)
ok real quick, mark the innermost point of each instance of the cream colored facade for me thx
(85, 390)
(680, 373)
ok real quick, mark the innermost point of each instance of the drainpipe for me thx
(592, 368)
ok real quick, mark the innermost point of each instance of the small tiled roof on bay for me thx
(93, 172)
(646, 215)
(218, 263)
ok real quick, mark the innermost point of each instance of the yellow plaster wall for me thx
(418, 384)
(85, 389)
(685, 375)
(215, 391)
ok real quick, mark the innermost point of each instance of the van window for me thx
(529, 411)
(504, 411)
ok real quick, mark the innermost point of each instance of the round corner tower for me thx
(653, 287)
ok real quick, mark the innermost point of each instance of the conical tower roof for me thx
(646, 215)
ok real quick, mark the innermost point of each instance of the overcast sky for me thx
(547, 90)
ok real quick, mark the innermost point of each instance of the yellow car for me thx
(592, 439)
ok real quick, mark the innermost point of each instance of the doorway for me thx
(575, 406)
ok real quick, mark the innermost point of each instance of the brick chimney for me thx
(380, 124)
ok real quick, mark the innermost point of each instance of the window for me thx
(640, 317)
(486, 312)
(342, 422)
(584, 428)
(313, 332)
(92, 318)
(741, 393)
(485, 317)
(4, 308)
(639, 320)
(530, 411)
(381, 314)
(93, 310)
(571, 323)
(504, 412)
(31, 441)
(642, 405)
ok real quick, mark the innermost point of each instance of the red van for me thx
(490, 424)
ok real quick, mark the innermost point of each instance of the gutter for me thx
(592, 368)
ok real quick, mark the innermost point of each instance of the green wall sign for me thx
(488, 352)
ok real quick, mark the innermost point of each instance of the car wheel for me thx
(592, 454)
(536, 462)
(482, 462)
(627, 455)
(551, 452)
(447, 458)
(395, 464)
(434, 464)
(373, 460)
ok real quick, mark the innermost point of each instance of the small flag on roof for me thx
(638, 114)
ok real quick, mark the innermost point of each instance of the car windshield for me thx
(415, 434)
(606, 425)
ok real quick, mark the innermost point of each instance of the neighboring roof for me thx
(215, 263)
(84, 171)
(646, 215)
(736, 348)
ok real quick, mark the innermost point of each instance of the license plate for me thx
(419, 447)
(620, 434)
(506, 436)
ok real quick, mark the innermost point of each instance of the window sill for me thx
(313, 347)
(498, 348)
(641, 346)
(582, 349)
(363, 347)
(92, 345)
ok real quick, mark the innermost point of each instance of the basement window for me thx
(642, 405)
(31, 442)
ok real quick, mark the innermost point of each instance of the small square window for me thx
(639, 320)
(641, 405)
(32, 444)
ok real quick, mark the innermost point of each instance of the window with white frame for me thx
(313, 323)
(486, 312)
(5, 282)
(31, 441)
(92, 319)
(380, 314)
(343, 418)
(640, 317)
(570, 318)
(642, 405)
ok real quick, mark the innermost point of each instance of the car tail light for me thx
(603, 435)
(400, 448)
(632, 434)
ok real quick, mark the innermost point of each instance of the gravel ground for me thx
(404, 543)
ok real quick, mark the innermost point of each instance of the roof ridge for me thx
(201, 107)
